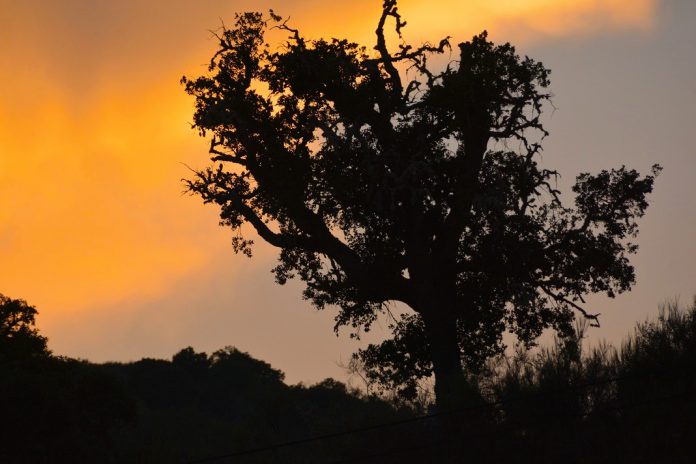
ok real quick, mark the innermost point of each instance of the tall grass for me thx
(635, 402)
(631, 403)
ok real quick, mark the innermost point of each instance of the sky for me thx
(95, 137)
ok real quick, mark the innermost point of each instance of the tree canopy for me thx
(382, 178)
(19, 338)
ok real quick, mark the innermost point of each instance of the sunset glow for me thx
(94, 128)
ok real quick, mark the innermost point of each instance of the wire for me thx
(530, 425)
(409, 420)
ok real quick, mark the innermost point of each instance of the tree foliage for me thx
(381, 178)
(19, 338)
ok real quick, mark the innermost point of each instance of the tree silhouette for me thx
(382, 179)
(19, 338)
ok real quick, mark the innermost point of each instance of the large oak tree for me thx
(384, 179)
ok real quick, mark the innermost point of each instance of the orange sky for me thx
(94, 130)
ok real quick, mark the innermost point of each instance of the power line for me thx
(497, 431)
(409, 420)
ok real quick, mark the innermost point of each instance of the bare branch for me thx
(284, 27)
(594, 318)
(389, 8)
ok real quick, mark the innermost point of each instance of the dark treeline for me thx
(56, 409)
(633, 403)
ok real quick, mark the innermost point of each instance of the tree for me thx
(189, 359)
(19, 338)
(379, 187)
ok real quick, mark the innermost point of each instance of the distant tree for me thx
(19, 338)
(189, 359)
(383, 179)
(247, 369)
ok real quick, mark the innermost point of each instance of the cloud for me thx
(516, 20)
(92, 210)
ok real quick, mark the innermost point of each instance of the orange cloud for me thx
(92, 210)
(517, 20)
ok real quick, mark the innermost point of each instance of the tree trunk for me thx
(449, 383)
(447, 368)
